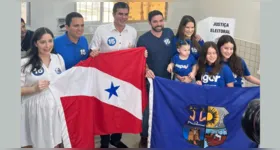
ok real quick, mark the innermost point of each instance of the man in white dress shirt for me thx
(112, 37)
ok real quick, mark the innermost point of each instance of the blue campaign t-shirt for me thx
(238, 79)
(193, 50)
(71, 53)
(224, 77)
(183, 67)
(159, 51)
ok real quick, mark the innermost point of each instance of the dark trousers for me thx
(105, 139)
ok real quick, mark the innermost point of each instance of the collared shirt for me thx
(30, 77)
(107, 38)
(72, 53)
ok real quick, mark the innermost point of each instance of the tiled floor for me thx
(131, 140)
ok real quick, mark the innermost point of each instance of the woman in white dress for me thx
(41, 124)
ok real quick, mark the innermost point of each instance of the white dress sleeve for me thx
(62, 63)
(23, 72)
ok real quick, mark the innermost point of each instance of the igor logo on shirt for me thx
(38, 72)
(166, 41)
(111, 41)
(181, 66)
(194, 50)
(83, 52)
(207, 78)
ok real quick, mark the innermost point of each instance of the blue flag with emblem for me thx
(192, 116)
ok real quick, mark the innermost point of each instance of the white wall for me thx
(45, 13)
(246, 13)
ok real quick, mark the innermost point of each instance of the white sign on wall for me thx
(211, 28)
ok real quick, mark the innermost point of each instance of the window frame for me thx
(129, 21)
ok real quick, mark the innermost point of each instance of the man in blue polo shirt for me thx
(159, 47)
(72, 46)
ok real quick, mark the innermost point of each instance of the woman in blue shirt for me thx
(213, 72)
(187, 31)
(227, 49)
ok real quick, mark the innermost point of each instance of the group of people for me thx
(184, 55)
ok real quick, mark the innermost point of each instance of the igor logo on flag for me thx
(205, 126)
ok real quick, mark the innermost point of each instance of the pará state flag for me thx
(102, 95)
(192, 116)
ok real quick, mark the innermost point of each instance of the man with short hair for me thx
(26, 36)
(112, 37)
(117, 35)
(72, 45)
(158, 42)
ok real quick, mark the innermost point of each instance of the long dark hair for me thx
(235, 62)
(180, 32)
(35, 61)
(202, 61)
